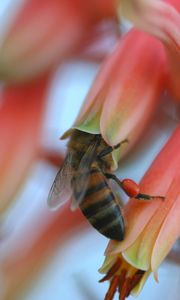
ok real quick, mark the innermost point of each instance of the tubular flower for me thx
(152, 227)
(43, 33)
(158, 18)
(33, 253)
(21, 115)
(161, 19)
(126, 91)
(173, 55)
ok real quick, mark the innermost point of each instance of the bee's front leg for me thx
(110, 149)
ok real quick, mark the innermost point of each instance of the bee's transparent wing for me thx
(117, 191)
(61, 189)
(80, 181)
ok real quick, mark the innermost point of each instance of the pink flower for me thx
(126, 91)
(21, 113)
(44, 33)
(151, 227)
(161, 19)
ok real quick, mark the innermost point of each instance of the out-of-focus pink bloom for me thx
(29, 256)
(161, 19)
(173, 55)
(100, 41)
(21, 114)
(100, 9)
(126, 91)
(151, 227)
(46, 32)
(156, 17)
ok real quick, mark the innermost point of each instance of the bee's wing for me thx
(61, 189)
(80, 181)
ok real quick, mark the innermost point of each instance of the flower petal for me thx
(173, 73)
(43, 34)
(156, 181)
(158, 18)
(133, 92)
(170, 231)
(21, 116)
(139, 254)
(97, 93)
(138, 288)
(88, 120)
(30, 255)
(161, 19)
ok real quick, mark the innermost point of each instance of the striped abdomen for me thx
(101, 208)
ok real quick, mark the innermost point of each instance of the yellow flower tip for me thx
(108, 263)
(155, 274)
(123, 278)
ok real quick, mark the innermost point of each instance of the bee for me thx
(84, 177)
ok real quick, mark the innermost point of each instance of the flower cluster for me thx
(121, 103)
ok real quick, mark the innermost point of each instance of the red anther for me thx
(130, 187)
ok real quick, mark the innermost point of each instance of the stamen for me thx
(122, 279)
(125, 289)
(112, 288)
(136, 278)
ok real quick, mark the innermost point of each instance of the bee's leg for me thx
(109, 149)
(131, 188)
(113, 177)
(148, 197)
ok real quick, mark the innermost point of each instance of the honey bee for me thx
(84, 177)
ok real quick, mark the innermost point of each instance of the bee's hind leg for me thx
(113, 177)
(131, 188)
(148, 197)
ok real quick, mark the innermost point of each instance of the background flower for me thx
(43, 34)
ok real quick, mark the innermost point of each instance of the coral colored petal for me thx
(170, 231)
(156, 181)
(134, 89)
(97, 92)
(173, 55)
(21, 114)
(161, 19)
(32, 255)
(139, 254)
(43, 34)
(39, 36)
(158, 18)
(173, 76)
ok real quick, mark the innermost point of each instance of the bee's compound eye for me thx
(130, 187)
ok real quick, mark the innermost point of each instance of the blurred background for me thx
(56, 255)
